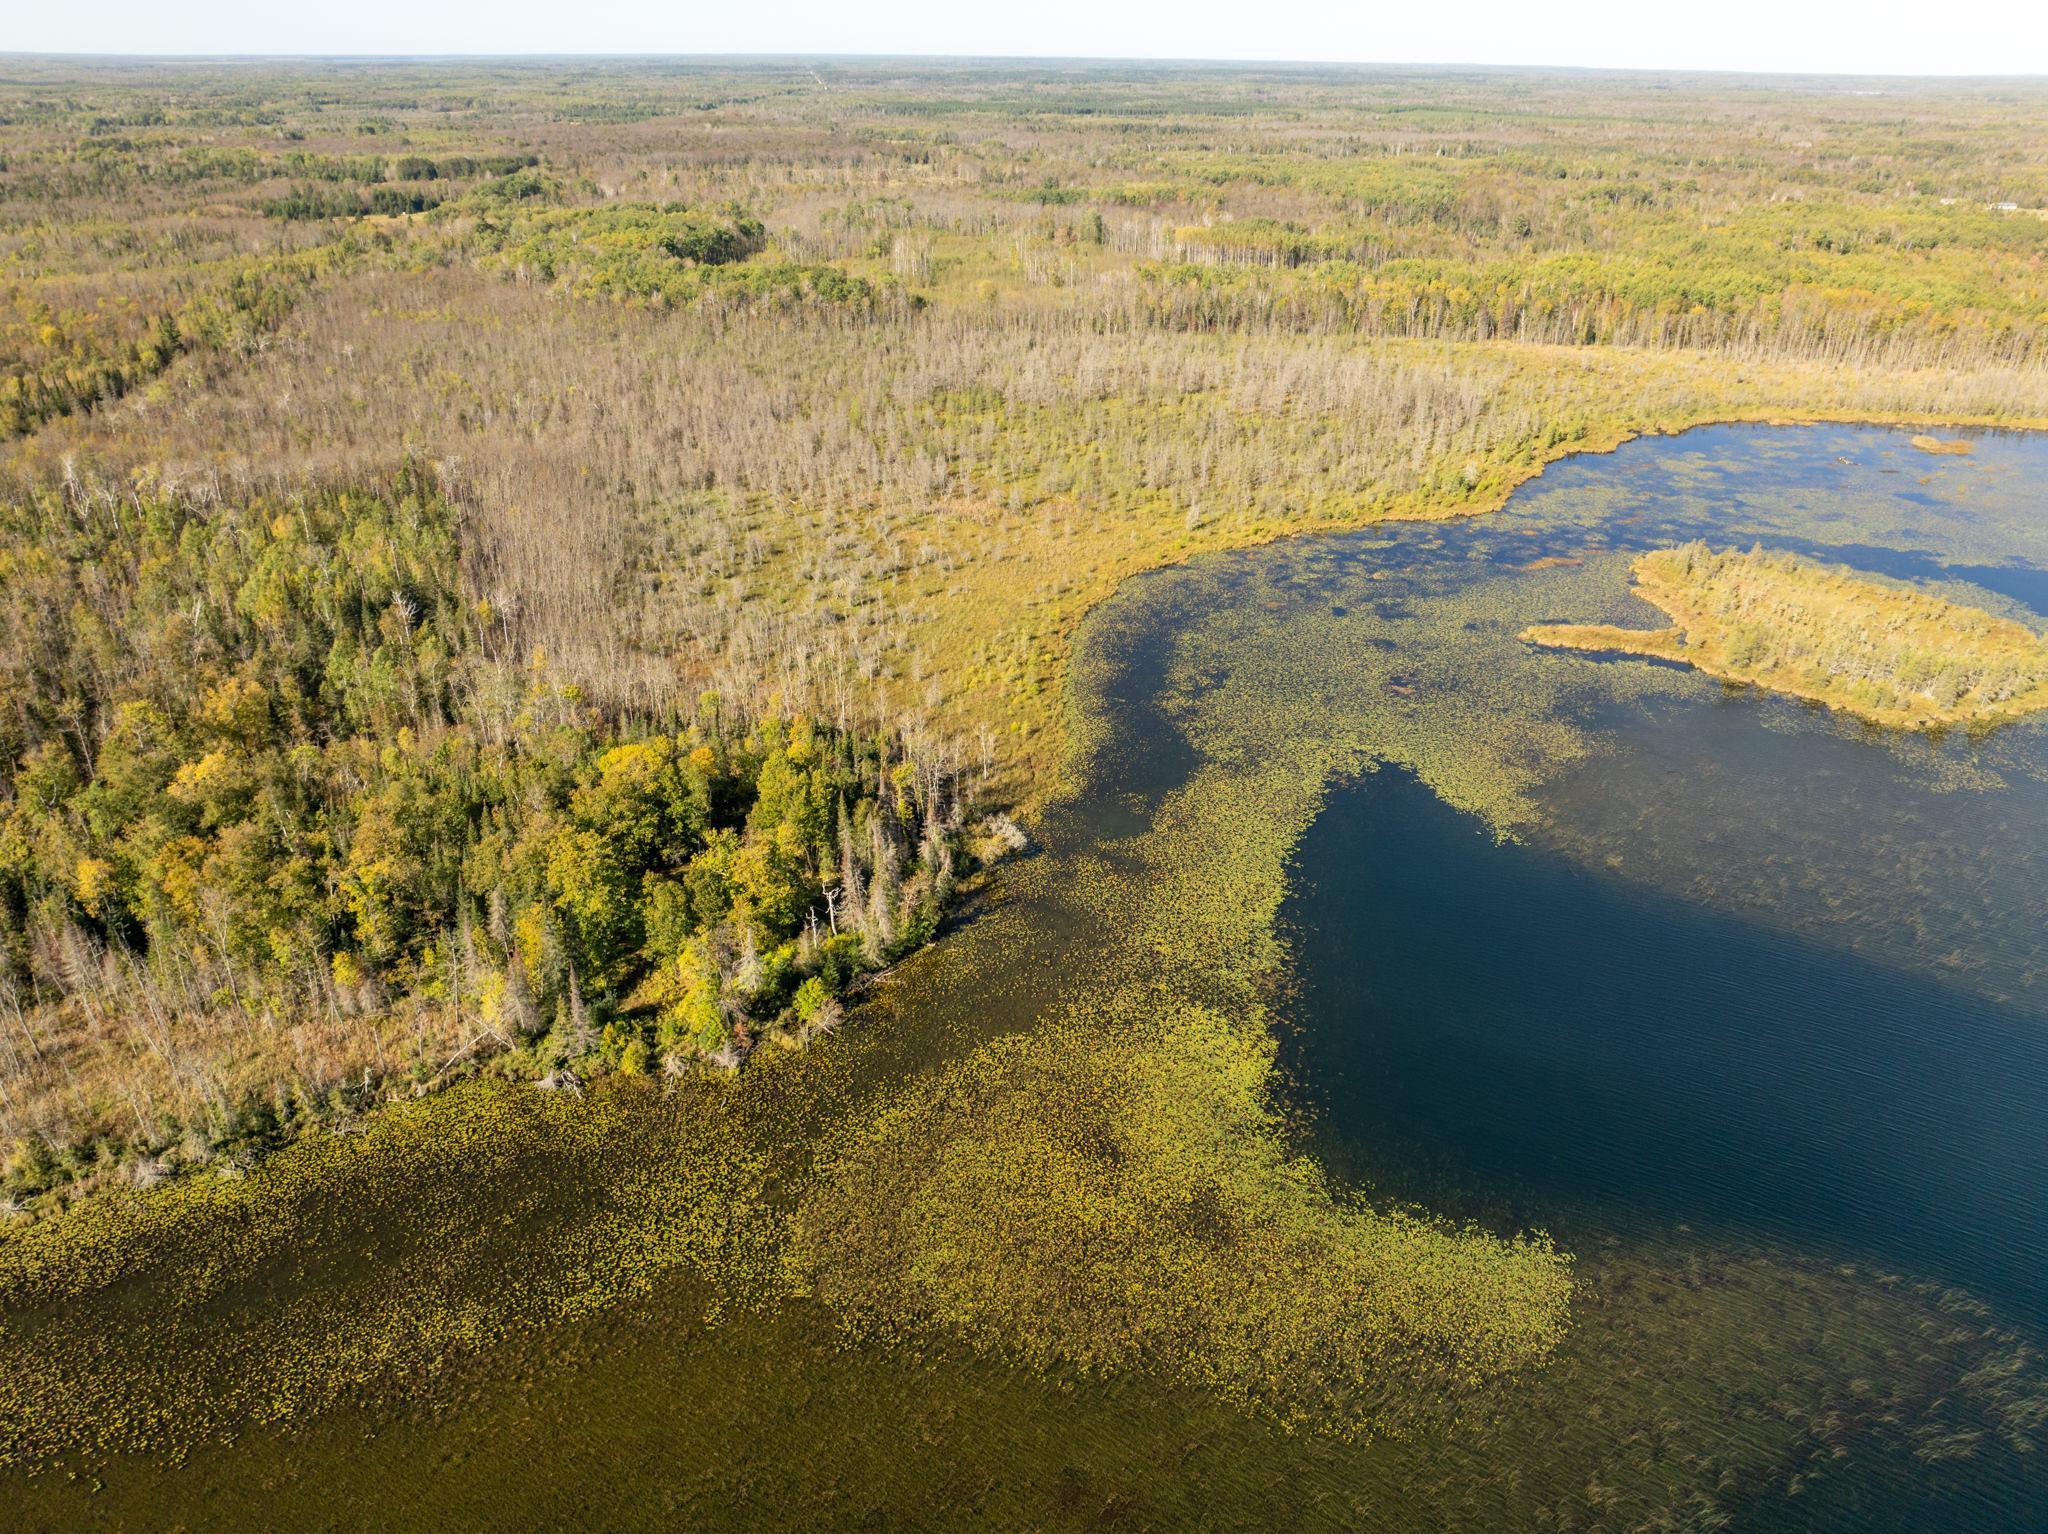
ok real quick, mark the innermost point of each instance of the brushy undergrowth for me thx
(1062, 1143)
(860, 399)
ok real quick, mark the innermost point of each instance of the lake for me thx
(1744, 1005)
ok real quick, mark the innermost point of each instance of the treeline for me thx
(806, 503)
(58, 362)
(333, 195)
(313, 201)
(106, 163)
(208, 163)
(286, 815)
(1674, 219)
(459, 167)
(244, 164)
(1582, 301)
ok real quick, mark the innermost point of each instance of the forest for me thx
(554, 570)
(287, 821)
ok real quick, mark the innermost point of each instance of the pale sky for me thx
(1873, 37)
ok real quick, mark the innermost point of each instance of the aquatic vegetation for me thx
(1090, 1057)
(556, 1247)
(1885, 653)
(1113, 1193)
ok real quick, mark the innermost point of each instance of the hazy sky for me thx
(1875, 36)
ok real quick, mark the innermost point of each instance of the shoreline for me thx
(1075, 748)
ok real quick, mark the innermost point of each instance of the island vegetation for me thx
(844, 406)
(1884, 652)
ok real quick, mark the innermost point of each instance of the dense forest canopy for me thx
(542, 586)
(270, 767)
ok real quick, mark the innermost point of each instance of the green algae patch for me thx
(1115, 1187)
(351, 1262)
(1115, 1194)
(1890, 655)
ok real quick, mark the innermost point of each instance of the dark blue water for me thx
(1803, 1025)
(1514, 1026)
(1758, 979)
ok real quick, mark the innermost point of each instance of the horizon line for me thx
(1015, 59)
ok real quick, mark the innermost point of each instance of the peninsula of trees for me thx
(1885, 653)
(288, 829)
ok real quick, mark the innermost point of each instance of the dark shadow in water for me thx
(2023, 583)
(1536, 1041)
(1145, 756)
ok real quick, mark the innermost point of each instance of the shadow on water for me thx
(2021, 582)
(1570, 1040)
(1143, 757)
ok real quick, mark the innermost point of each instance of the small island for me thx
(1881, 651)
(1944, 447)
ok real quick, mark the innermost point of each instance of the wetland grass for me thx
(1882, 652)
(1055, 1156)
